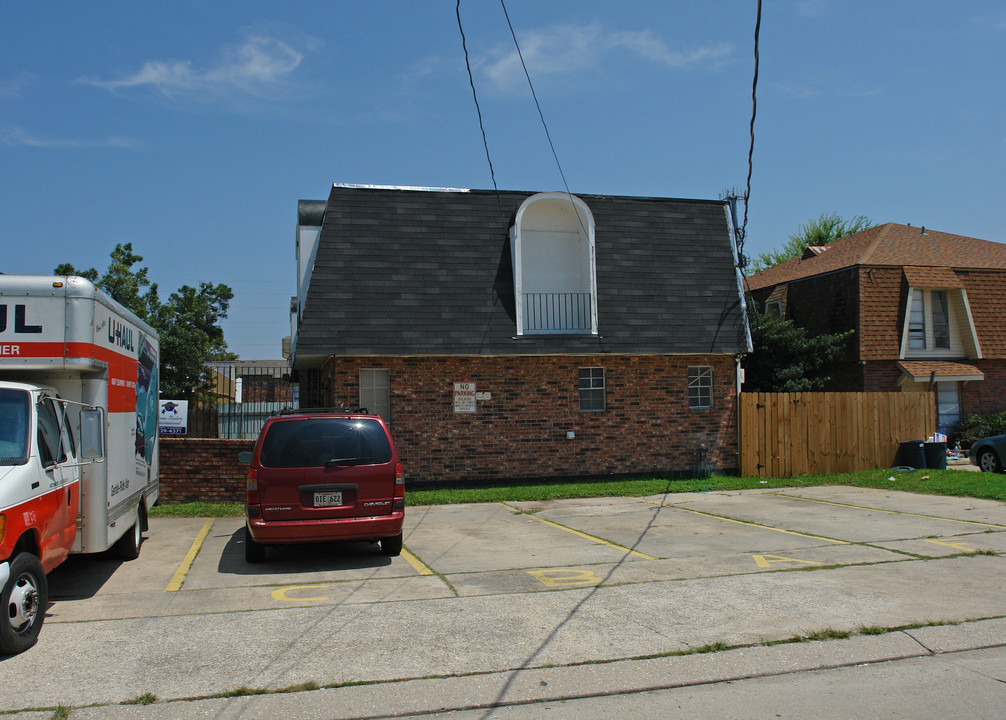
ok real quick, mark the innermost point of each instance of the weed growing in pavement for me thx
(144, 699)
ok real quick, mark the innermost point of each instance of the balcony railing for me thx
(557, 312)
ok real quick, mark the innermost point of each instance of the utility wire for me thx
(535, 96)
(754, 110)
(471, 81)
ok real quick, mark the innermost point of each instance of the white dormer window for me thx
(552, 247)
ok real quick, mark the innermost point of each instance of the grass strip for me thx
(955, 483)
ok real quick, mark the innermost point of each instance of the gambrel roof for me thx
(408, 271)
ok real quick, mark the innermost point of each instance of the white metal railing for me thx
(565, 312)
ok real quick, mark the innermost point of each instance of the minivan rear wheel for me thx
(391, 546)
(254, 552)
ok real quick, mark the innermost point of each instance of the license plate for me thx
(327, 499)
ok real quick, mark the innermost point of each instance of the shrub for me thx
(975, 427)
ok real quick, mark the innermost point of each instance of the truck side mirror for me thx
(245, 457)
(92, 446)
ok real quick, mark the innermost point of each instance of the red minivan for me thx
(319, 476)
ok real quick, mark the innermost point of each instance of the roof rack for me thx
(307, 411)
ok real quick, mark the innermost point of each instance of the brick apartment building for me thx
(928, 309)
(524, 335)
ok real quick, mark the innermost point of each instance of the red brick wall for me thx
(520, 432)
(989, 395)
(202, 470)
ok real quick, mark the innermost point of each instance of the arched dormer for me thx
(552, 247)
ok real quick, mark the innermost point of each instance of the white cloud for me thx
(258, 67)
(811, 8)
(15, 136)
(13, 87)
(566, 50)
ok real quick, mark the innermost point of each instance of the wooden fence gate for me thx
(788, 434)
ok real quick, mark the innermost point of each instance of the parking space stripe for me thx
(419, 566)
(592, 538)
(891, 512)
(179, 577)
(751, 524)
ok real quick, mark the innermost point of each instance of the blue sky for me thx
(192, 128)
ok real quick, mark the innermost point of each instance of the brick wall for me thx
(520, 431)
(989, 395)
(202, 470)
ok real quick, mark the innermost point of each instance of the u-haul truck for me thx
(78, 437)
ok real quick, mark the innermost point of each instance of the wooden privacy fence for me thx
(788, 434)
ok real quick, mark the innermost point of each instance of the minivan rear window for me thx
(315, 442)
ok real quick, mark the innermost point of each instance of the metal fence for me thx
(245, 394)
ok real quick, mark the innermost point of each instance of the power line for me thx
(471, 81)
(535, 96)
(742, 232)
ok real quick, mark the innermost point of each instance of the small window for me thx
(941, 320)
(917, 322)
(591, 389)
(375, 392)
(700, 387)
(774, 308)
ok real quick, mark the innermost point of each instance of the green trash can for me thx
(936, 455)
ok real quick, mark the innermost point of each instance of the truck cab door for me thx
(60, 490)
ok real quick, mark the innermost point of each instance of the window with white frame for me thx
(591, 389)
(552, 249)
(929, 320)
(700, 387)
(917, 322)
(375, 392)
(948, 406)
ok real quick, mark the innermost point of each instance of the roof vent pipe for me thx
(923, 229)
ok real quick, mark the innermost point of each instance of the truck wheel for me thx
(391, 546)
(128, 546)
(254, 553)
(24, 600)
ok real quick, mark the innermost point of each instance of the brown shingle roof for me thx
(922, 370)
(925, 277)
(890, 244)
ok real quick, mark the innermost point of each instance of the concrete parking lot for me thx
(529, 604)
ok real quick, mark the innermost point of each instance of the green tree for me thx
(826, 229)
(191, 337)
(188, 323)
(785, 359)
(126, 286)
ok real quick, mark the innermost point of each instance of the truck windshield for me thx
(14, 414)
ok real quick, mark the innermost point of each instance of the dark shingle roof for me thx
(428, 272)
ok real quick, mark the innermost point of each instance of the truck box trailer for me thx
(78, 437)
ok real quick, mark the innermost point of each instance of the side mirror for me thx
(92, 436)
(245, 457)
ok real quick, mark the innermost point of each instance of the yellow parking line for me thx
(752, 524)
(890, 512)
(190, 557)
(592, 538)
(420, 567)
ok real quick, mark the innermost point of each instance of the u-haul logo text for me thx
(120, 335)
(21, 325)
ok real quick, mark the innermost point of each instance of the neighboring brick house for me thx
(928, 309)
(523, 335)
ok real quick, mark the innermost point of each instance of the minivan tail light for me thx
(399, 480)
(251, 487)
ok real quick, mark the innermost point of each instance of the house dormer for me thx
(937, 321)
(552, 248)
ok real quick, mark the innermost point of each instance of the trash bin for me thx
(912, 453)
(936, 455)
